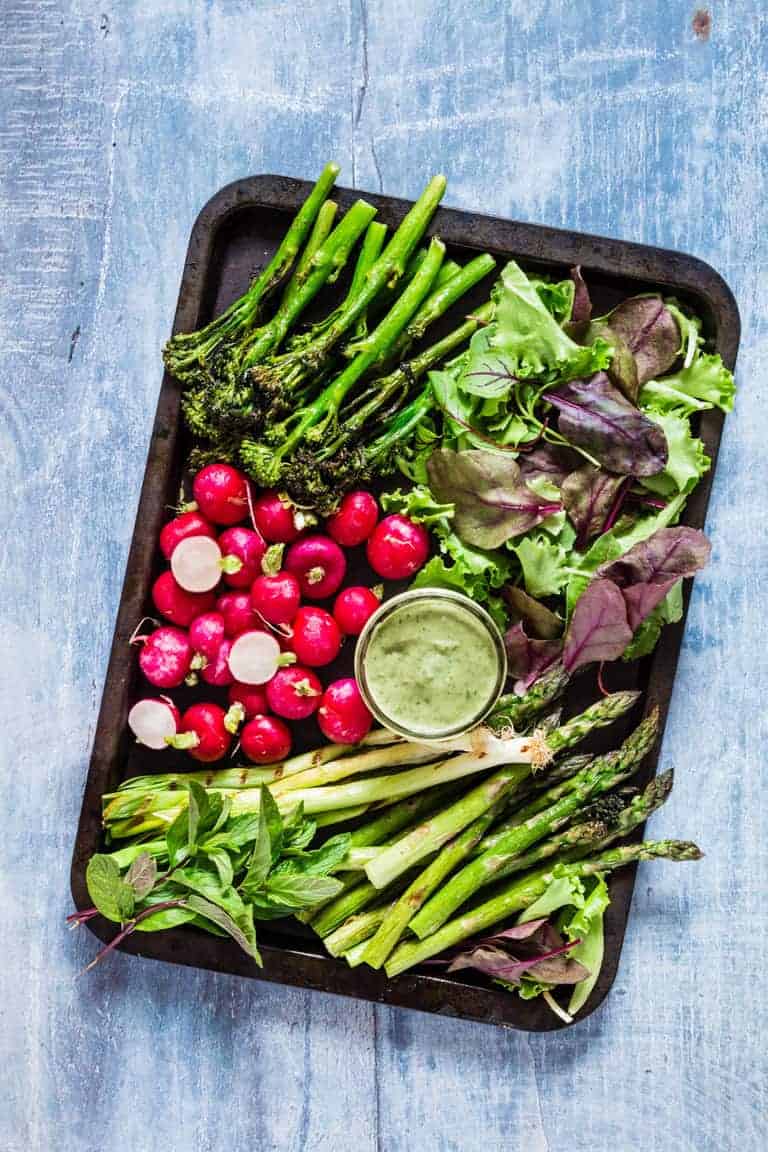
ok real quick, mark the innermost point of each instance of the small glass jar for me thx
(430, 664)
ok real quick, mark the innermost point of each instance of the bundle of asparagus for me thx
(331, 409)
(445, 843)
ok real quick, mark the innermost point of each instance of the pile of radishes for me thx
(234, 596)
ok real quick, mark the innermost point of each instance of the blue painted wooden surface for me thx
(115, 126)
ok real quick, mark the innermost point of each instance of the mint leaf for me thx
(270, 812)
(323, 860)
(237, 929)
(222, 862)
(197, 810)
(109, 892)
(302, 891)
(142, 875)
(177, 838)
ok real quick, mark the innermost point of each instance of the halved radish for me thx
(154, 721)
(255, 657)
(197, 564)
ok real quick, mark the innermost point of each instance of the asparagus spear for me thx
(522, 892)
(600, 776)
(186, 352)
(355, 930)
(428, 838)
(517, 712)
(403, 910)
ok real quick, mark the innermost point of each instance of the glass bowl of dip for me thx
(430, 664)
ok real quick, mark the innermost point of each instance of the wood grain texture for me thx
(115, 127)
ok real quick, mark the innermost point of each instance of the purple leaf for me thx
(650, 331)
(599, 628)
(544, 625)
(552, 966)
(517, 931)
(582, 304)
(529, 658)
(647, 572)
(666, 555)
(597, 417)
(492, 502)
(589, 496)
(645, 339)
(551, 461)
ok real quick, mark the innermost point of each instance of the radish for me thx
(153, 720)
(318, 564)
(277, 517)
(265, 740)
(355, 519)
(342, 715)
(176, 604)
(181, 528)
(354, 607)
(276, 598)
(165, 657)
(197, 564)
(216, 672)
(252, 697)
(398, 547)
(206, 731)
(294, 693)
(255, 657)
(221, 493)
(248, 547)
(316, 637)
(206, 634)
(237, 611)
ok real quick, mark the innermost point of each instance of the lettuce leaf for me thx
(687, 461)
(529, 340)
(544, 563)
(586, 924)
(705, 383)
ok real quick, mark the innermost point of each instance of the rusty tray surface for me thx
(233, 237)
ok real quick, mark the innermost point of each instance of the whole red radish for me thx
(355, 519)
(316, 637)
(237, 611)
(318, 564)
(343, 716)
(276, 598)
(246, 546)
(165, 657)
(206, 634)
(252, 697)
(216, 672)
(206, 732)
(153, 720)
(178, 605)
(353, 608)
(265, 740)
(277, 517)
(398, 547)
(221, 493)
(181, 528)
(294, 692)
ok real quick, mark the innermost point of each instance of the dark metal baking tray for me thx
(234, 236)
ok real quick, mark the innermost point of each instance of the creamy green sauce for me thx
(431, 667)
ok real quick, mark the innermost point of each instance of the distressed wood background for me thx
(630, 119)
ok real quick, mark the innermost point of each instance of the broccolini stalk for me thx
(318, 477)
(226, 405)
(603, 774)
(313, 422)
(187, 353)
(289, 373)
(521, 893)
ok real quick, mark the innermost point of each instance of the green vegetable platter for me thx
(399, 630)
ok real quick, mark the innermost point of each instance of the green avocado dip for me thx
(431, 665)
